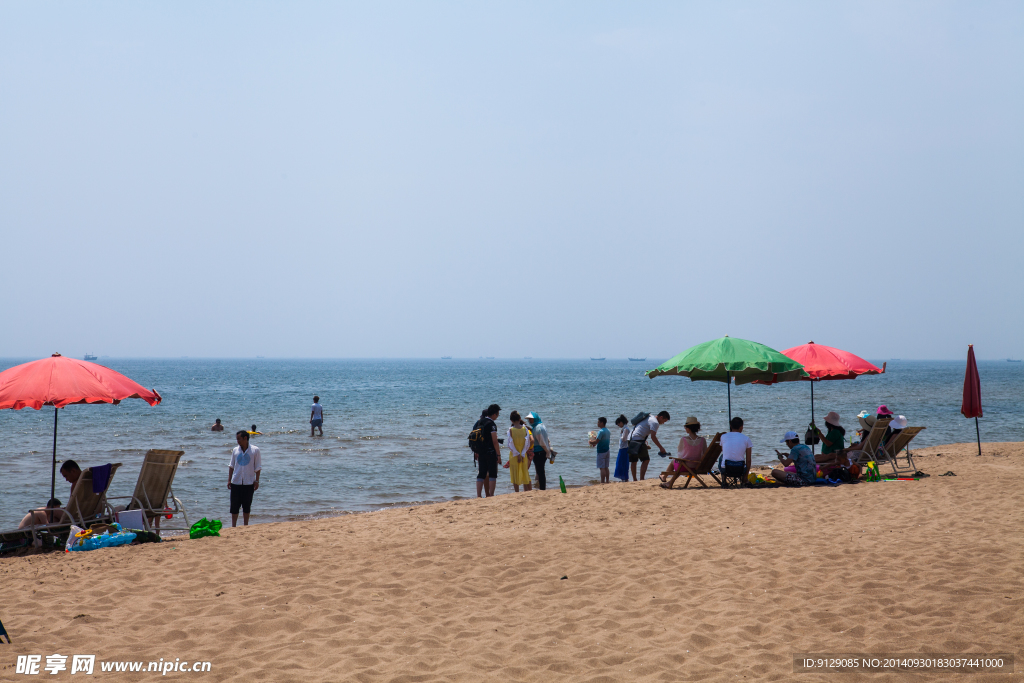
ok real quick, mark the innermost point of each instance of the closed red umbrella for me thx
(824, 362)
(58, 381)
(971, 405)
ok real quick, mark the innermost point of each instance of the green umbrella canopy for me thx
(729, 358)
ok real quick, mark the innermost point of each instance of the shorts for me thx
(638, 450)
(488, 466)
(241, 497)
(603, 459)
(317, 423)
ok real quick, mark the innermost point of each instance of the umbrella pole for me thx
(812, 413)
(728, 389)
(978, 430)
(53, 468)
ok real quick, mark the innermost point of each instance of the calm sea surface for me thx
(395, 430)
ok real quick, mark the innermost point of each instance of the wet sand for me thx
(695, 584)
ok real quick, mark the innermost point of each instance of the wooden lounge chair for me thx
(707, 461)
(154, 493)
(897, 444)
(871, 445)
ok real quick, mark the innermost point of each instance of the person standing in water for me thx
(542, 453)
(316, 417)
(520, 453)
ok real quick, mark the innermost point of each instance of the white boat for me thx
(597, 359)
(89, 356)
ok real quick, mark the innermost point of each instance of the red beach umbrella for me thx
(971, 406)
(58, 381)
(824, 362)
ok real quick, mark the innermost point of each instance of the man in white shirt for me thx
(736, 450)
(638, 449)
(243, 476)
(316, 417)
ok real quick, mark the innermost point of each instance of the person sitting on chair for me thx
(52, 514)
(691, 449)
(736, 450)
(798, 467)
(71, 472)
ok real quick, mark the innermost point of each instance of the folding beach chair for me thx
(154, 494)
(898, 443)
(84, 507)
(871, 447)
(707, 461)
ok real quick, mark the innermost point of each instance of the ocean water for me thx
(395, 430)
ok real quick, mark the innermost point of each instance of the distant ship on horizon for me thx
(527, 357)
(1013, 360)
(446, 357)
(89, 356)
(597, 359)
(638, 359)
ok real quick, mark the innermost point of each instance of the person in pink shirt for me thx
(691, 449)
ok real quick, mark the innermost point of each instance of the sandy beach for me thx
(658, 585)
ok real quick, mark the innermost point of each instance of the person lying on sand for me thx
(51, 515)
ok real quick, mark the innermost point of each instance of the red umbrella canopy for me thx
(824, 362)
(971, 406)
(59, 381)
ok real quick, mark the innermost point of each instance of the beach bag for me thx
(478, 437)
(640, 417)
(811, 437)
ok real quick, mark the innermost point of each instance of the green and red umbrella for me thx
(729, 360)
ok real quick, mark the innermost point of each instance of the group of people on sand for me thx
(527, 443)
(797, 466)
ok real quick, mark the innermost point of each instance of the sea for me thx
(395, 430)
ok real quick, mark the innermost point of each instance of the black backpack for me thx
(478, 440)
(811, 437)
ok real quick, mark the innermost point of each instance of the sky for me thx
(569, 179)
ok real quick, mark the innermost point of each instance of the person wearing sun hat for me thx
(691, 449)
(884, 413)
(834, 438)
(898, 424)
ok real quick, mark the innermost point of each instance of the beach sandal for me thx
(948, 474)
(665, 485)
(920, 474)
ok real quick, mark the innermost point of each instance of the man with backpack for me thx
(486, 450)
(645, 425)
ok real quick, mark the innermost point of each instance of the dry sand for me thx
(662, 585)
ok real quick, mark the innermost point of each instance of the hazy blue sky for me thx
(510, 179)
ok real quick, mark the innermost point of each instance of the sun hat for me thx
(790, 436)
(898, 422)
(833, 419)
(691, 421)
(884, 411)
(866, 419)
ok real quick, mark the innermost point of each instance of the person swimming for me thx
(254, 431)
